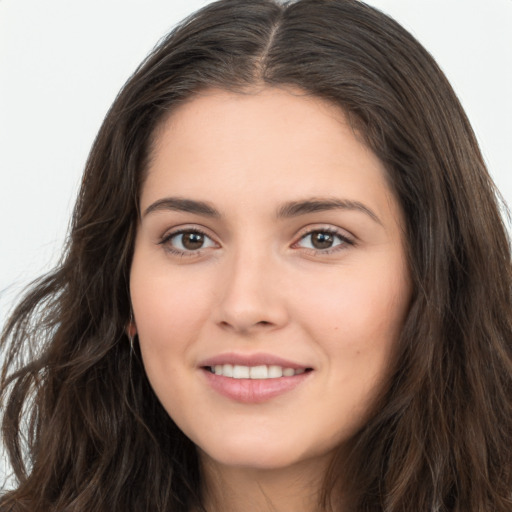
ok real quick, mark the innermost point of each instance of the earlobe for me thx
(131, 329)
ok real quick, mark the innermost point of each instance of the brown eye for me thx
(188, 241)
(321, 240)
(192, 241)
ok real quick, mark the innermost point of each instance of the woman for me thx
(287, 286)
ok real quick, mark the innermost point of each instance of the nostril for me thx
(241, 323)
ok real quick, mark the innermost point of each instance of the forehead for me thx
(271, 142)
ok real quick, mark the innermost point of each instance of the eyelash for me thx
(345, 241)
(166, 239)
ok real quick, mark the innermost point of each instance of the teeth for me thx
(275, 372)
(240, 372)
(258, 372)
(227, 370)
(254, 372)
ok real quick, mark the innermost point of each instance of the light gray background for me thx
(62, 64)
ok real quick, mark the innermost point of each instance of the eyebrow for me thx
(296, 208)
(182, 205)
(288, 210)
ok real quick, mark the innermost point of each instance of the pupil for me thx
(192, 241)
(321, 240)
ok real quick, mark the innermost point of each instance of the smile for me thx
(260, 372)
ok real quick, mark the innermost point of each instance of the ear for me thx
(131, 329)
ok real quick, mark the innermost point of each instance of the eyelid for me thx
(346, 237)
(178, 230)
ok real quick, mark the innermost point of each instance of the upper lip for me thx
(257, 359)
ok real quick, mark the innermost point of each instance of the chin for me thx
(258, 454)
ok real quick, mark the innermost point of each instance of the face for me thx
(269, 283)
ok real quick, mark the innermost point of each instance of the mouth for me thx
(259, 372)
(255, 378)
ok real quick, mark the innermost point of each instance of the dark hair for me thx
(82, 426)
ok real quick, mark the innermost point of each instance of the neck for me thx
(237, 489)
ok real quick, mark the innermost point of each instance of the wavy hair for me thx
(84, 430)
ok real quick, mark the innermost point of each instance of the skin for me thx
(258, 285)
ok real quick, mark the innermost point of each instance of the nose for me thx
(252, 295)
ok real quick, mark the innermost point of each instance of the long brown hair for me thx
(83, 428)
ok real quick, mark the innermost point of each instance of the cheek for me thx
(355, 326)
(356, 317)
(169, 312)
(356, 302)
(165, 299)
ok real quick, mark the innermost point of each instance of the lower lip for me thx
(252, 391)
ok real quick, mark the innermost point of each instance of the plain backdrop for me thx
(62, 64)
